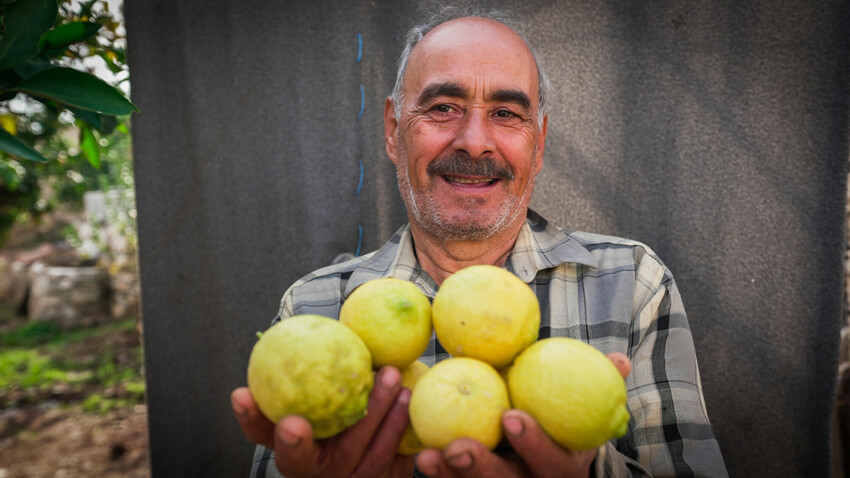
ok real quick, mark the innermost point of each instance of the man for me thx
(466, 129)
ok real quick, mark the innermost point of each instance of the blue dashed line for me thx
(360, 184)
(359, 240)
(362, 102)
(359, 47)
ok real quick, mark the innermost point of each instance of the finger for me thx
(255, 426)
(469, 458)
(541, 455)
(352, 442)
(403, 465)
(430, 462)
(380, 455)
(623, 364)
(295, 452)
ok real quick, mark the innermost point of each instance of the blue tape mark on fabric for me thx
(360, 184)
(359, 47)
(359, 240)
(362, 102)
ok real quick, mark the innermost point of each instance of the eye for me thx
(444, 112)
(506, 114)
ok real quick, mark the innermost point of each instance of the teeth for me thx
(456, 179)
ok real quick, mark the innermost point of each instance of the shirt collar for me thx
(539, 245)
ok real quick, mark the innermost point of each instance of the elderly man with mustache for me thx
(466, 129)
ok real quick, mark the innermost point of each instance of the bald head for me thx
(451, 17)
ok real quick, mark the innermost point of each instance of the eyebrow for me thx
(454, 90)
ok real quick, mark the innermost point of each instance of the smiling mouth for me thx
(470, 181)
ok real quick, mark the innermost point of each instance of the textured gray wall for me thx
(716, 133)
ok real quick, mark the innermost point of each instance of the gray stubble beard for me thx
(427, 214)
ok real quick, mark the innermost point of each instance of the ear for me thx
(390, 130)
(541, 145)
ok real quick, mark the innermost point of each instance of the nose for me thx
(473, 134)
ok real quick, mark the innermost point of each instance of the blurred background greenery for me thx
(63, 109)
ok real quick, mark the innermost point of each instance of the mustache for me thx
(459, 164)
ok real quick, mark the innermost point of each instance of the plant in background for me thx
(56, 121)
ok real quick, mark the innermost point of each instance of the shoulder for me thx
(618, 253)
(321, 291)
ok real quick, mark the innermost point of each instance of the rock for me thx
(69, 296)
(13, 283)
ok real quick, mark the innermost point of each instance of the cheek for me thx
(427, 143)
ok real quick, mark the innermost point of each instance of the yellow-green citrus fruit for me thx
(485, 312)
(573, 390)
(311, 366)
(393, 317)
(459, 397)
(410, 443)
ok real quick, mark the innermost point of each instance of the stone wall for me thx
(89, 278)
(68, 296)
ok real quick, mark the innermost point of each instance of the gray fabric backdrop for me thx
(716, 132)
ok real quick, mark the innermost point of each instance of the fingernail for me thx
(462, 461)
(390, 378)
(404, 396)
(513, 426)
(288, 439)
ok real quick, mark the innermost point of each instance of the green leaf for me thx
(31, 67)
(60, 37)
(8, 79)
(113, 67)
(26, 21)
(75, 88)
(107, 124)
(90, 117)
(14, 146)
(103, 124)
(88, 144)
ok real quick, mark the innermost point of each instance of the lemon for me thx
(311, 366)
(410, 443)
(393, 317)
(485, 312)
(573, 390)
(459, 397)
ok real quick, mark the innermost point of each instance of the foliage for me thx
(35, 359)
(31, 334)
(63, 130)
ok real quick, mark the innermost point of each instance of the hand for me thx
(535, 453)
(366, 449)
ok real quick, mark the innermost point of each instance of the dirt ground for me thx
(49, 434)
(50, 441)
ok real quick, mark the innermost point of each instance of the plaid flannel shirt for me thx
(612, 293)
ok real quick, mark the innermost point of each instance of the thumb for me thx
(623, 364)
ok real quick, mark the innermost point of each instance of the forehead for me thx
(473, 52)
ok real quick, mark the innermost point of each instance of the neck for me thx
(441, 258)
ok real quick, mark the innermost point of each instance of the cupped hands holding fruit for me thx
(308, 378)
(312, 377)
